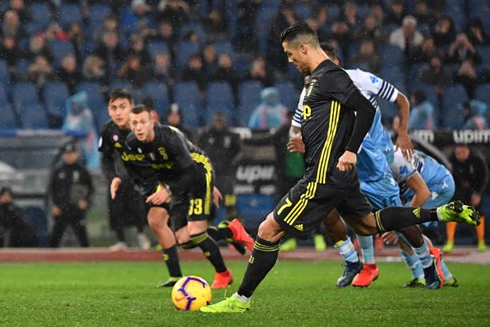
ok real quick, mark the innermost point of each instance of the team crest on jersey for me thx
(310, 88)
(115, 138)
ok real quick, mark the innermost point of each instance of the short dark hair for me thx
(329, 50)
(299, 29)
(141, 108)
(121, 94)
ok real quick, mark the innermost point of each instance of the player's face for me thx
(296, 57)
(119, 110)
(141, 125)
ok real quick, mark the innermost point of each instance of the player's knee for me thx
(270, 229)
(182, 236)
(157, 219)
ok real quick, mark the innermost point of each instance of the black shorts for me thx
(308, 203)
(197, 204)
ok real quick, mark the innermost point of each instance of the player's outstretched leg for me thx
(234, 233)
(263, 258)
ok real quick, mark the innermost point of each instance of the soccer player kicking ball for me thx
(336, 118)
(188, 174)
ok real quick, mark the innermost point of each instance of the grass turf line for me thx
(294, 294)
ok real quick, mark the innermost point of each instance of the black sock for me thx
(210, 250)
(394, 218)
(261, 261)
(220, 233)
(171, 259)
(120, 235)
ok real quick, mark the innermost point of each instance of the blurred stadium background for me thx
(177, 52)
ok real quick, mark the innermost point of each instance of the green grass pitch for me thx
(294, 294)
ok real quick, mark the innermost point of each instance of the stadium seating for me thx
(186, 50)
(156, 47)
(8, 120)
(288, 94)
(452, 106)
(220, 99)
(249, 95)
(40, 14)
(188, 97)
(69, 13)
(60, 49)
(158, 92)
(55, 95)
(4, 72)
(482, 93)
(392, 56)
(96, 101)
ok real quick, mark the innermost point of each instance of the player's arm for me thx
(107, 160)
(403, 140)
(420, 190)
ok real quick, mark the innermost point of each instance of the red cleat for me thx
(437, 255)
(368, 274)
(222, 280)
(240, 235)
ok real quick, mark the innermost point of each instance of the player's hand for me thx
(389, 238)
(159, 197)
(296, 144)
(82, 204)
(116, 182)
(475, 199)
(404, 142)
(56, 211)
(347, 161)
(217, 197)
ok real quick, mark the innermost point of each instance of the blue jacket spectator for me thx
(270, 113)
(475, 115)
(422, 113)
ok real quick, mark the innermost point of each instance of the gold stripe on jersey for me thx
(203, 160)
(321, 174)
(301, 204)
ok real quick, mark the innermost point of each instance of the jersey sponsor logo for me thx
(132, 157)
(374, 79)
(163, 153)
(166, 165)
(306, 112)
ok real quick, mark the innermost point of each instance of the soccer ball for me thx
(190, 293)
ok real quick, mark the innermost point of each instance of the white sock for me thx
(241, 298)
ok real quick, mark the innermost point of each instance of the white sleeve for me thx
(401, 168)
(372, 84)
(296, 122)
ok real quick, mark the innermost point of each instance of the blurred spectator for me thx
(133, 71)
(422, 13)
(40, 71)
(467, 76)
(215, 23)
(165, 33)
(260, 72)
(162, 71)
(70, 188)
(37, 46)
(424, 52)
(10, 53)
(436, 74)
(55, 33)
(367, 58)
(226, 73)
(342, 35)
(407, 36)
(110, 25)
(20, 8)
(270, 113)
(320, 22)
(223, 148)
(378, 13)
(77, 38)
(13, 225)
(11, 25)
(395, 13)
(444, 32)
(140, 11)
(79, 119)
(174, 11)
(94, 70)
(350, 17)
(422, 112)
(371, 31)
(138, 49)
(474, 115)
(148, 102)
(195, 72)
(275, 53)
(111, 52)
(476, 33)
(176, 119)
(470, 172)
(210, 59)
(69, 74)
(246, 34)
(462, 49)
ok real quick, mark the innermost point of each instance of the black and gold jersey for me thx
(327, 123)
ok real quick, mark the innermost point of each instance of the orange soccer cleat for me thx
(368, 274)
(222, 280)
(240, 235)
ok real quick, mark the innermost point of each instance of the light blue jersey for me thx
(438, 179)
